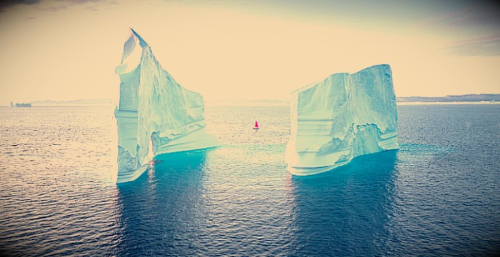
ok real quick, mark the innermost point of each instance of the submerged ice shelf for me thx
(341, 117)
(155, 115)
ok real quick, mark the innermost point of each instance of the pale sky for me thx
(248, 49)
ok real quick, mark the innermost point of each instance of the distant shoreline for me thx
(444, 103)
(411, 100)
(452, 98)
(257, 104)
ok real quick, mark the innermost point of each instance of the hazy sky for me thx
(248, 49)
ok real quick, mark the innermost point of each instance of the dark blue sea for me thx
(438, 195)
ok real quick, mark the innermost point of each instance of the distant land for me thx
(471, 98)
(452, 98)
(81, 102)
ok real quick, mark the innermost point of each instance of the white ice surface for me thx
(155, 115)
(341, 117)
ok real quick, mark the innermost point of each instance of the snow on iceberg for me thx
(155, 115)
(341, 117)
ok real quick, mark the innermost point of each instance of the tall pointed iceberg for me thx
(341, 117)
(155, 115)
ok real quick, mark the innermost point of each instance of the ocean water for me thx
(438, 195)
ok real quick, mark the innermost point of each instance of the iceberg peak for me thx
(155, 115)
(131, 53)
(137, 37)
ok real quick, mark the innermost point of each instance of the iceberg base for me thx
(388, 144)
(131, 175)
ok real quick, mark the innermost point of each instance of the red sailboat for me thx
(256, 125)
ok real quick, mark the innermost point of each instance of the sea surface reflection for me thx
(346, 212)
(162, 211)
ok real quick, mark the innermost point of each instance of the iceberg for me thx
(155, 115)
(341, 117)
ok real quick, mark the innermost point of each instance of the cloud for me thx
(52, 8)
(472, 28)
(20, 2)
(92, 9)
(81, 1)
(91, 5)
(477, 16)
(483, 46)
(7, 3)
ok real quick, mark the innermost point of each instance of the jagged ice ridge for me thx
(155, 114)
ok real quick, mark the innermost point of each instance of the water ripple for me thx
(438, 195)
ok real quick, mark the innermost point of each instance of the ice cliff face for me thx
(344, 116)
(155, 115)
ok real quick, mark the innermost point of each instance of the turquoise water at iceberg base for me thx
(438, 195)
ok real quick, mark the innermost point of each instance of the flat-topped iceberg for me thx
(341, 117)
(155, 115)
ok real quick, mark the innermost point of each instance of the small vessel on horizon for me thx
(17, 105)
